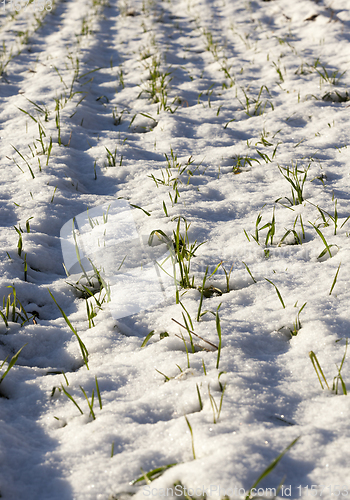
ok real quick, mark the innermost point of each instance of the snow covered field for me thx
(222, 128)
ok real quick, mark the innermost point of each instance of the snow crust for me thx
(245, 96)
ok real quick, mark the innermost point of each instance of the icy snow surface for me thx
(214, 114)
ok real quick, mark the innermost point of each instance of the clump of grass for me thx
(333, 218)
(240, 163)
(321, 376)
(93, 288)
(271, 226)
(327, 76)
(13, 309)
(157, 85)
(171, 175)
(182, 252)
(297, 323)
(111, 158)
(336, 96)
(296, 182)
(298, 237)
(90, 403)
(26, 162)
(256, 106)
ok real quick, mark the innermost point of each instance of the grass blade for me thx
(202, 294)
(199, 398)
(98, 393)
(149, 336)
(11, 363)
(278, 293)
(218, 329)
(324, 241)
(270, 468)
(92, 413)
(153, 474)
(248, 270)
(20, 154)
(83, 349)
(191, 432)
(72, 399)
(335, 280)
(317, 368)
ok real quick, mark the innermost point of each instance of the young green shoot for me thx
(29, 167)
(338, 378)
(20, 240)
(297, 323)
(25, 267)
(188, 331)
(218, 329)
(98, 393)
(69, 396)
(278, 293)
(199, 398)
(249, 272)
(82, 346)
(152, 474)
(328, 247)
(186, 349)
(12, 362)
(335, 279)
(216, 410)
(199, 314)
(318, 369)
(53, 195)
(147, 338)
(111, 157)
(269, 469)
(227, 275)
(13, 311)
(166, 378)
(297, 184)
(192, 440)
(90, 404)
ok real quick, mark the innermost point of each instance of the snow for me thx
(244, 95)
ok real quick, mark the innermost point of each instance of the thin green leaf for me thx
(83, 349)
(335, 279)
(148, 337)
(71, 398)
(278, 293)
(11, 363)
(270, 468)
